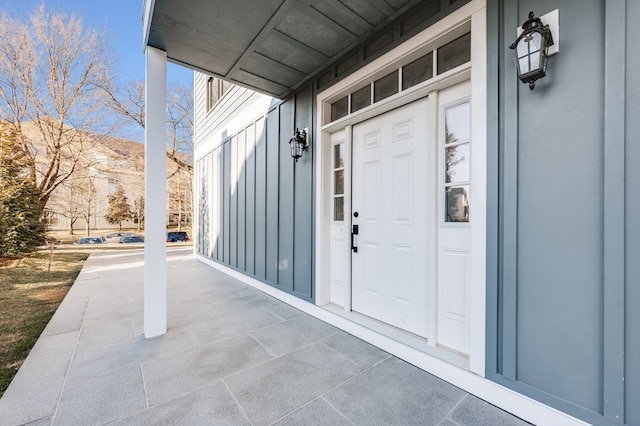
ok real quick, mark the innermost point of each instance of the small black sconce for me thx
(298, 143)
(531, 50)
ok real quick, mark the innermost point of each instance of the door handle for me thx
(354, 232)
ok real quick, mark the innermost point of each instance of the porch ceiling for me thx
(272, 46)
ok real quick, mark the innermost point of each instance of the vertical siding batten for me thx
(272, 184)
(220, 201)
(226, 202)
(632, 224)
(510, 202)
(493, 236)
(261, 199)
(233, 201)
(614, 209)
(286, 197)
(303, 201)
(250, 201)
(242, 199)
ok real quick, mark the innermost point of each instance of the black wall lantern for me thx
(298, 143)
(531, 50)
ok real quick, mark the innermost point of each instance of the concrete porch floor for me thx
(232, 356)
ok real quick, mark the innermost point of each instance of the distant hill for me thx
(105, 163)
(122, 153)
(124, 147)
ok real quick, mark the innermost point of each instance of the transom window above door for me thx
(442, 59)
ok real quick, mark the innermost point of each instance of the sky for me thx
(122, 22)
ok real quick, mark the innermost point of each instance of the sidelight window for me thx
(457, 138)
(338, 181)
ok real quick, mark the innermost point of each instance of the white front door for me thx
(390, 207)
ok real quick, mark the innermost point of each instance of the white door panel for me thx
(389, 194)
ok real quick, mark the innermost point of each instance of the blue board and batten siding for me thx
(259, 200)
(564, 207)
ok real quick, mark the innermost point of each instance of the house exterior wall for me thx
(563, 205)
(563, 199)
(254, 203)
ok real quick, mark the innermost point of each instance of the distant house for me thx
(442, 210)
(81, 202)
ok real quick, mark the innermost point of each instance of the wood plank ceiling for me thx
(272, 46)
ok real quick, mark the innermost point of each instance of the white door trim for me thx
(474, 13)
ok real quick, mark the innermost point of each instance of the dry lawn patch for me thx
(29, 295)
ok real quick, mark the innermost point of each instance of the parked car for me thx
(174, 236)
(91, 240)
(132, 239)
(116, 236)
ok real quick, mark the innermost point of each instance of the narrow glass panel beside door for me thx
(457, 124)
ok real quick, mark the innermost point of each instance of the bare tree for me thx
(52, 74)
(64, 202)
(77, 197)
(180, 207)
(137, 212)
(128, 102)
(180, 126)
(136, 189)
(87, 200)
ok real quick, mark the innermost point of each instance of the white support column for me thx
(155, 194)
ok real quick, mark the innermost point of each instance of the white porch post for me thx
(155, 194)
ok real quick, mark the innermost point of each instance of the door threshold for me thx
(402, 337)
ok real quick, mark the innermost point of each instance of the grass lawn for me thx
(29, 295)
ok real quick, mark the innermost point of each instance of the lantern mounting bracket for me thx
(533, 22)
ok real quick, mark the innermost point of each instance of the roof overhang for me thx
(272, 46)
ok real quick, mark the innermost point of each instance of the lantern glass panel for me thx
(523, 47)
(296, 150)
(523, 64)
(536, 42)
(534, 60)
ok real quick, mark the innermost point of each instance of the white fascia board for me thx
(147, 14)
